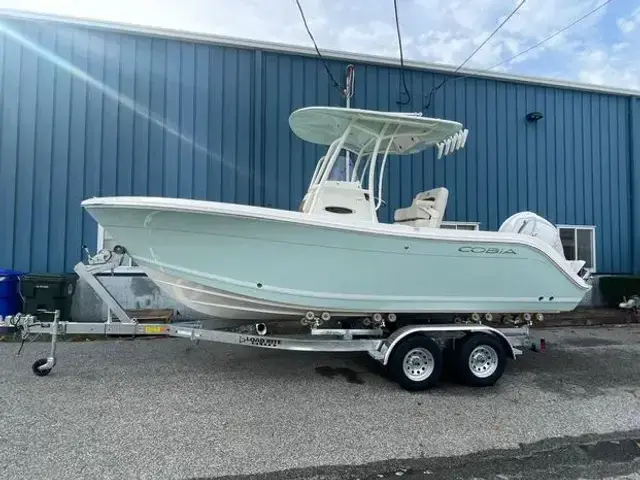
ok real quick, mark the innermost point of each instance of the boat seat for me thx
(426, 210)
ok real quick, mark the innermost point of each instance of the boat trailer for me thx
(412, 355)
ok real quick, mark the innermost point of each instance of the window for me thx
(106, 241)
(339, 170)
(460, 225)
(579, 243)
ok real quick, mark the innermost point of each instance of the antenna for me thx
(348, 93)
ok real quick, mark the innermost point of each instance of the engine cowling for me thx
(529, 223)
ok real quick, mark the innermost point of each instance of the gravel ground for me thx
(153, 408)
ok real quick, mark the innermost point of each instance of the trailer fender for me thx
(404, 332)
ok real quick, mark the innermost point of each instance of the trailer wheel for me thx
(481, 360)
(415, 363)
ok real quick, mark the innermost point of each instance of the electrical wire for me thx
(404, 82)
(337, 85)
(553, 35)
(537, 44)
(434, 90)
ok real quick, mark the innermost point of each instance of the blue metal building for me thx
(94, 110)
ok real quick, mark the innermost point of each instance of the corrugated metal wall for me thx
(91, 112)
(634, 195)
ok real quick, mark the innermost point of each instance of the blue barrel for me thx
(10, 299)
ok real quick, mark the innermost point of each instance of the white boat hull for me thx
(254, 263)
(219, 304)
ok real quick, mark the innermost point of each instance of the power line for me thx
(554, 35)
(492, 34)
(404, 82)
(340, 88)
(537, 44)
(434, 90)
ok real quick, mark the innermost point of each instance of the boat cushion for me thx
(429, 205)
(414, 212)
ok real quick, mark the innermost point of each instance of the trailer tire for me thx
(480, 360)
(415, 363)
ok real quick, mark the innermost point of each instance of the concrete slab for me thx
(153, 408)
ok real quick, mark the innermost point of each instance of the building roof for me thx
(300, 50)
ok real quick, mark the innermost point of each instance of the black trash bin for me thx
(48, 292)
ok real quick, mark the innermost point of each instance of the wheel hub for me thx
(483, 361)
(418, 364)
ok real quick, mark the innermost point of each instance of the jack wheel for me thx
(480, 360)
(416, 363)
(36, 367)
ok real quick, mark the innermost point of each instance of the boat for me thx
(332, 257)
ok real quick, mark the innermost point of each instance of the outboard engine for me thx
(529, 223)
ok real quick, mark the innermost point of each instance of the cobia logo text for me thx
(490, 250)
